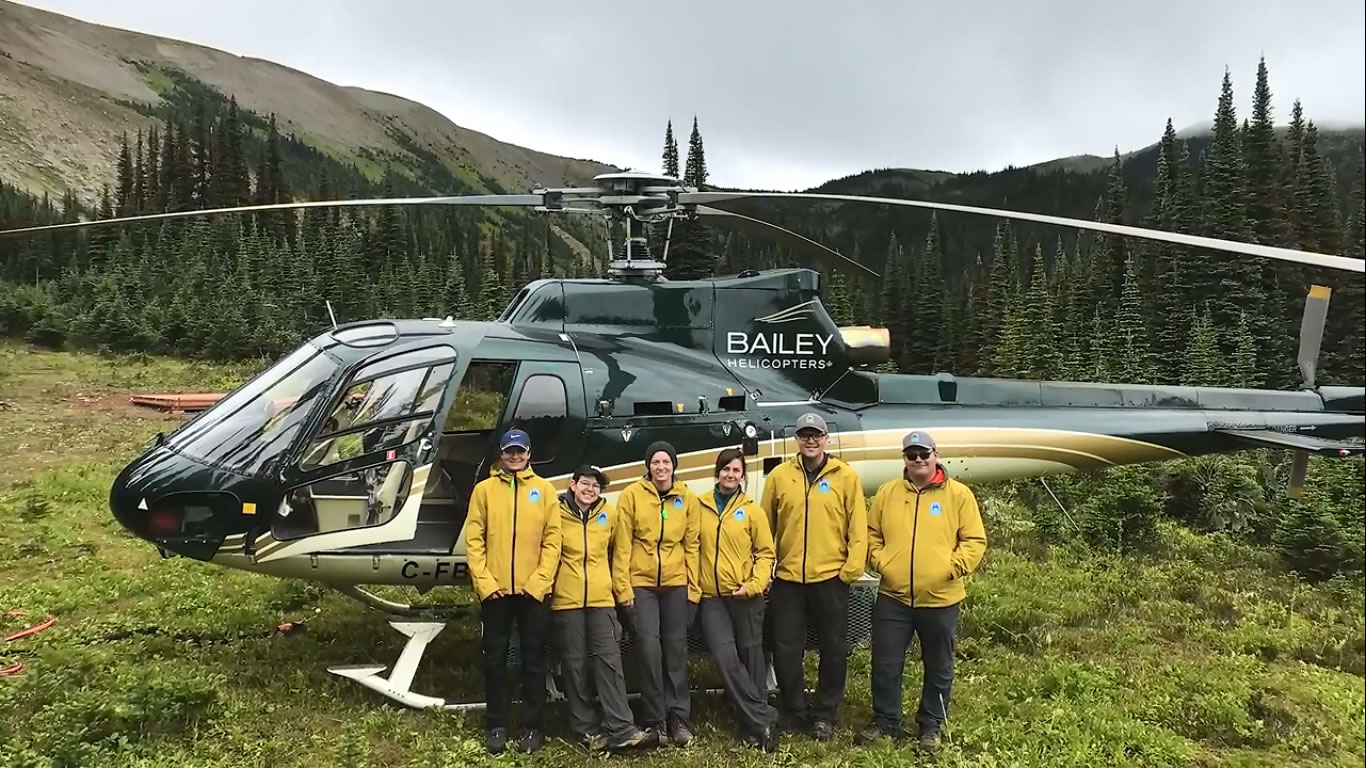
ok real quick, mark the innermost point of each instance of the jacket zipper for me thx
(806, 521)
(716, 563)
(513, 587)
(915, 523)
(585, 561)
(659, 561)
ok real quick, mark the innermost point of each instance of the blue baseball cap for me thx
(515, 437)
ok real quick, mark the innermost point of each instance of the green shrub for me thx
(1323, 534)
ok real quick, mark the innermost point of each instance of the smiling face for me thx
(514, 459)
(811, 443)
(586, 491)
(920, 464)
(661, 470)
(730, 475)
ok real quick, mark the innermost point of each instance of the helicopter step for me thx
(398, 685)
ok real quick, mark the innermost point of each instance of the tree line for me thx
(1080, 305)
(1037, 304)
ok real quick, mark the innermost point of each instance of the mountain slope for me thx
(69, 88)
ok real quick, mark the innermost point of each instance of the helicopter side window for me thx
(481, 396)
(541, 412)
(379, 412)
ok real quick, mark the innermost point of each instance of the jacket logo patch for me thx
(740, 514)
(602, 518)
(935, 509)
(678, 502)
(824, 486)
(533, 495)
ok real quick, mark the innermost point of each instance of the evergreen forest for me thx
(962, 294)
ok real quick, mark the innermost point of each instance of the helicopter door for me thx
(470, 433)
(549, 406)
(361, 476)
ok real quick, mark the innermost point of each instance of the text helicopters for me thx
(349, 460)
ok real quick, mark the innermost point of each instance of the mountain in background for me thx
(69, 89)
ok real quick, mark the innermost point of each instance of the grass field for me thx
(1205, 654)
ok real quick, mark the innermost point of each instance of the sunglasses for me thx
(917, 455)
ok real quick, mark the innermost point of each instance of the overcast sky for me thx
(791, 93)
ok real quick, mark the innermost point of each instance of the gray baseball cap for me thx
(812, 421)
(918, 438)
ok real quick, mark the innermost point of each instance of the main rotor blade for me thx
(793, 240)
(1251, 249)
(1311, 331)
(491, 200)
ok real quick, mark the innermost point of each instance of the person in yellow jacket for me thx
(925, 536)
(593, 579)
(820, 528)
(662, 517)
(512, 546)
(735, 565)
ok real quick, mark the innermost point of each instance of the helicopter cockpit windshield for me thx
(260, 421)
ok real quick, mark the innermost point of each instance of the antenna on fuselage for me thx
(331, 314)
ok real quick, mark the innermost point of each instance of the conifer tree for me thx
(1029, 339)
(1225, 193)
(690, 249)
(153, 199)
(976, 321)
(139, 181)
(670, 151)
(695, 174)
(926, 349)
(123, 202)
(890, 315)
(1204, 361)
(1244, 370)
(1267, 207)
(1133, 362)
(1316, 204)
(1000, 298)
(1114, 247)
(838, 303)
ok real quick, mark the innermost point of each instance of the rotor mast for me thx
(634, 199)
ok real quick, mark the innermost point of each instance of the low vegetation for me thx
(1153, 617)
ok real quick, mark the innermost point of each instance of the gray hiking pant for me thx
(734, 630)
(589, 644)
(662, 616)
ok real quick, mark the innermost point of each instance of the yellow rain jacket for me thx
(736, 546)
(512, 534)
(820, 528)
(663, 533)
(595, 558)
(924, 542)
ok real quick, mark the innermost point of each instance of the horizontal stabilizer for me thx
(1267, 438)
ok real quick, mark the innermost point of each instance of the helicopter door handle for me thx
(425, 445)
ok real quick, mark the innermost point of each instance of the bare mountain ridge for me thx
(69, 88)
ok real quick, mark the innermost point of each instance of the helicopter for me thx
(350, 460)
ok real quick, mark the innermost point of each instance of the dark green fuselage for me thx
(595, 371)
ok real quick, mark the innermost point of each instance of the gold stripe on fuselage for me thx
(1082, 451)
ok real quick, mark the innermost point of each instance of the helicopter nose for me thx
(174, 503)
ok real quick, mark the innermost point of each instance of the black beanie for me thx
(656, 447)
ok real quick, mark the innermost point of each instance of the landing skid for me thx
(371, 600)
(398, 685)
